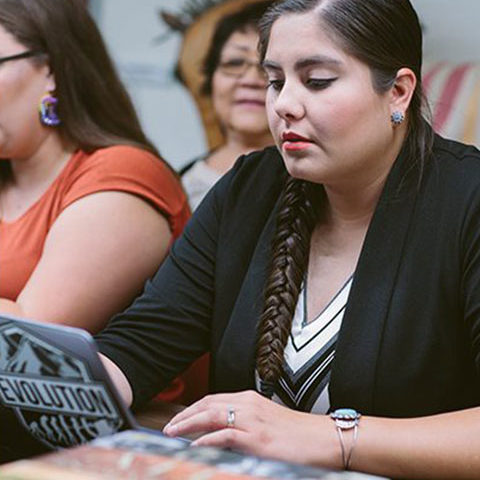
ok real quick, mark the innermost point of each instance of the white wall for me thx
(167, 113)
(452, 31)
(132, 30)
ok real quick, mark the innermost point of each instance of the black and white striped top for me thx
(309, 353)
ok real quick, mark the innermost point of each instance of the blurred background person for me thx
(87, 208)
(229, 87)
(219, 64)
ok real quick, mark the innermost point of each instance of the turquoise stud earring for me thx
(397, 117)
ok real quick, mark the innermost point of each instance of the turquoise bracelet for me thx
(346, 419)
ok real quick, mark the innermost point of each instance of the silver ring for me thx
(231, 417)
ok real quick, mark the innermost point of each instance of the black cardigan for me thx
(410, 338)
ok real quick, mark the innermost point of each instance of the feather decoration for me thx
(188, 13)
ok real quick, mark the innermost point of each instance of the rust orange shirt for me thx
(120, 168)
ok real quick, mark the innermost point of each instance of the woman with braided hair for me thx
(341, 269)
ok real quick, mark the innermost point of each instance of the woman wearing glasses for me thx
(235, 83)
(80, 185)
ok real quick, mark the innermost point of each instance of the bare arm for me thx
(96, 258)
(442, 446)
(10, 307)
(119, 379)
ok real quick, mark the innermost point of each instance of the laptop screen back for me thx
(54, 390)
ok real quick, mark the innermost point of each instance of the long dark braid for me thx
(296, 219)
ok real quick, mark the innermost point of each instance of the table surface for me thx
(157, 414)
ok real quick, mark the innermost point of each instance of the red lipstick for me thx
(294, 142)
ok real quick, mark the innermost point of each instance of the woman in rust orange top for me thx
(87, 208)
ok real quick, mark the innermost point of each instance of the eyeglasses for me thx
(18, 56)
(236, 67)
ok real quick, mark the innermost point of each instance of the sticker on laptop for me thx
(52, 393)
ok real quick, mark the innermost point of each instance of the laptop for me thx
(54, 390)
(55, 393)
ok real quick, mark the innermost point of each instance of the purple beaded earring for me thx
(48, 111)
(397, 117)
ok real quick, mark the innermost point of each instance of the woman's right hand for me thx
(119, 379)
(248, 422)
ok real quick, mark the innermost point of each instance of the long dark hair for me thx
(385, 35)
(93, 105)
